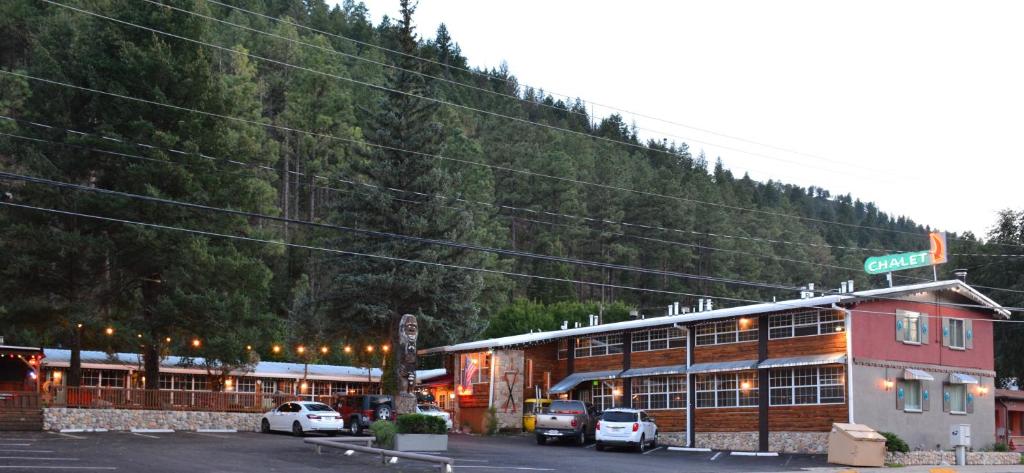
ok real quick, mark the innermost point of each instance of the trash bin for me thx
(530, 411)
(855, 445)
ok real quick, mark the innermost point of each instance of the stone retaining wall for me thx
(740, 441)
(782, 442)
(57, 418)
(938, 458)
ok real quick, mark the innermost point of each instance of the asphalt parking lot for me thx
(251, 452)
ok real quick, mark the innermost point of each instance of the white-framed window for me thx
(103, 378)
(659, 392)
(659, 339)
(957, 333)
(482, 374)
(807, 385)
(598, 345)
(563, 349)
(912, 395)
(957, 398)
(245, 384)
(805, 324)
(726, 389)
(607, 394)
(728, 331)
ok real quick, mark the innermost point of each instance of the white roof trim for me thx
(752, 309)
(720, 366)
(803, 360)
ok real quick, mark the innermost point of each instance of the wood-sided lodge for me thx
(771, 377)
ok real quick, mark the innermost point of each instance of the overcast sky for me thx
(915, 105)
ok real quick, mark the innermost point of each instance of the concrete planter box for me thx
(421, 442)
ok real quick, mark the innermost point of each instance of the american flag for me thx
(468, 371)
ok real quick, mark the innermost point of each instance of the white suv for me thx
(626, 428)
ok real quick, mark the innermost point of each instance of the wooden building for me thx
(769, 377)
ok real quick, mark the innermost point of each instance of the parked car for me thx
(300, 417)
(361, 410)
(566, 420)
(626, 428)
(432, 410)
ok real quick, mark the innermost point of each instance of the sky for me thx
(915, 105)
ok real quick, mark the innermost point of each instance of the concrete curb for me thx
(688, 449)
(152, 431)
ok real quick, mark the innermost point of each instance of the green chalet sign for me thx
(888, 263)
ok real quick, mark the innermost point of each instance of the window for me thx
(659, 339)
(956, 333)
(729, 331)
(726, 389)
(607, 394)
(563, 349)
(103, 378)
(660, 392)
(482, 374)
(912, 395)
(957, 398)
(598, 345)
(804, 324)
(246, 385)
(811, 385)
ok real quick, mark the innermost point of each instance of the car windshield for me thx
(379, 399)
(424, 407)
(317, 407)
(619, 416)
(567, 407)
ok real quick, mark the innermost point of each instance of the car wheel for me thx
(384, 413)
(297, 429)
(265, 426)
(642, 446)
(541, 440)
(599, 447)
(654, 441)
(355, 428)
(582, 439)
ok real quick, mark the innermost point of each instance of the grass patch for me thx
(894, 465)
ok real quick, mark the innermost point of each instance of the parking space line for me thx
(204, 434)
(69, 435)
(145, 435)
(655, 449)
(55, 467)
(15, 445)
(591, 445)
(520, 468)
(715, 456)
(25, 451)
(41, 458)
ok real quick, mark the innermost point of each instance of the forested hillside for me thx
(335, 126)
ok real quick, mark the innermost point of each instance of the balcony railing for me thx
(19, 400)
(120, 398)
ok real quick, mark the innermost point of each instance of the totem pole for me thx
(408, 330)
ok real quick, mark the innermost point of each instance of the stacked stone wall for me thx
(58, 418)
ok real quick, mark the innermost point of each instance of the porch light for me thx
(301, 349)
(324, 349)
(451, 395)
(745, 385)
(248, 347)
(888, 384)
(982, 390)
(616, 392)
(385, 348)
(196, 343)
(369, 348)
(168, 340)
(744, 322)
(109, 331)
(347, 349)
(276, 348)
(57, 375)
(79, 325)
(304, 386)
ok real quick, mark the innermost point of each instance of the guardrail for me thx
(120, 398)
(386, 456)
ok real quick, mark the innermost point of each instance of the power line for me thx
(502, 79)
(473, 87)
(397, 236)
(427, 263)
(387, 89)
(458, 160)
(596, 220)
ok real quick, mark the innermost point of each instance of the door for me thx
(648, 426)
(282, 418)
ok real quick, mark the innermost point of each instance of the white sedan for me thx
(432, 410)
(626, 428)
(300, 417)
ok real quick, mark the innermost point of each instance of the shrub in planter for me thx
(491, 420)
(1000, 447)
(384, 432)
(894, 443)
(421, 424)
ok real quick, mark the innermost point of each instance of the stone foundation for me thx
(57, 418)
(938, 458)
(798, 442)
(740, 441)
(672, 439)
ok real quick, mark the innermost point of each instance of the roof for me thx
(960, 378)
(653, 371)
(803, 360)
(723, 366)
(58, 357)
(752, 309)
(913, 373)
(576, 378)
(1010, 394)
(17, 348)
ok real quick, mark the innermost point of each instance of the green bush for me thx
(894, 443)
(421, 424)
(491, 420)
(1000, 447)
(384, 432)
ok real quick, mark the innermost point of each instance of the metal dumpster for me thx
(855, 445)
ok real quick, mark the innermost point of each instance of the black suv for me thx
(361, 410)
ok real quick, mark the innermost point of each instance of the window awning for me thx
(911, 373)
(960, 378)
(654, 371)
(723, 366)
(574, 379)
(810, 360)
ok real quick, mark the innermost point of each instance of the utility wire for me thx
(481, 89)
(387, 89)
(461, 161)
(427, 263)
(397, 236)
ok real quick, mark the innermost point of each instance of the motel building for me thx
(912, 360)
